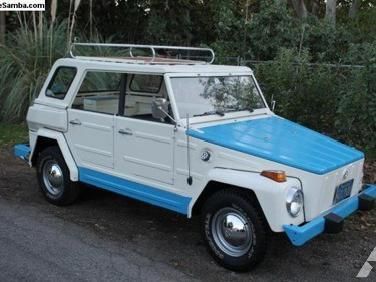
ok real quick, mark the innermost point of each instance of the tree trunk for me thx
(353, 12)
(330, 12)
(300, 8)
(314, 8)
(2, 27)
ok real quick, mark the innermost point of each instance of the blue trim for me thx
(135, 190)
(299, 235)
(282, 141)
(22, 151)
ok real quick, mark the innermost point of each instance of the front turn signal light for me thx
(276, 175)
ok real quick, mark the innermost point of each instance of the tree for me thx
(2, 27)
(170, 22)
(300, 8)
(314, 7)
(330, 11)
(353, 12)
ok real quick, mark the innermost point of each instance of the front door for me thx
(144, 149)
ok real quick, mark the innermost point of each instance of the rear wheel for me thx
(54, 179)
(234, 230)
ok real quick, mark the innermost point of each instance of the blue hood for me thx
(282, 141)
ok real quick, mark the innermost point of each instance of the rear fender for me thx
(62, 143)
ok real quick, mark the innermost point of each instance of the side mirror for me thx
(273, 105)
(159, 109)
(50, 93)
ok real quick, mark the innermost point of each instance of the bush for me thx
(306, 94)
(24, 64)
(356, 111)
(338, 101)
(270, 29)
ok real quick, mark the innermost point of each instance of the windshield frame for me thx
(213, 117)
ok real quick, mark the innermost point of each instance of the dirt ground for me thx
(172, 241)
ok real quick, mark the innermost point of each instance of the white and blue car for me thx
(194, 138)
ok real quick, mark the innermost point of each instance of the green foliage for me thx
(271, 28)
(356, 112)
(326, 42)
(339, 101)
(362, 28)
(303, 93)
(12, 133)
(24, 64)
(178, 29)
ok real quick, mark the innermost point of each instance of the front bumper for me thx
(332, 221)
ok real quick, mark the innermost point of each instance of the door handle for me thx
(75, 122)
(125, 131)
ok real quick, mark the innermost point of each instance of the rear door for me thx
(91, 138)
(91, 120)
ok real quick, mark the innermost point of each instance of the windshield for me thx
(199, 96)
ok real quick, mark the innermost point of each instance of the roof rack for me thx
(172, 54)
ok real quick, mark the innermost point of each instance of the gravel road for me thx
(105, 237)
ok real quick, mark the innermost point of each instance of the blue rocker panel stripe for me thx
(279, 140)
(299, 235)
(22, 151)
(135, 190)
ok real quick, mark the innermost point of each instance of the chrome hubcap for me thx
(232, 232)
(53, 177)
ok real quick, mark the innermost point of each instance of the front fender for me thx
(59, 137)
(270, 194)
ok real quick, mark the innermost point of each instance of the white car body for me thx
(152, 162)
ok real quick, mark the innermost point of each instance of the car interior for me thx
(102, 92)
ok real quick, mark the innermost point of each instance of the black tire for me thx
(67, 191)
(222, 205)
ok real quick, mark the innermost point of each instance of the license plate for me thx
(343, 191)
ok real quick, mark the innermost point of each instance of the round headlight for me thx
(294, 201)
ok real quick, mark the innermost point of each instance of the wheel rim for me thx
(53, 177)
(232, 232)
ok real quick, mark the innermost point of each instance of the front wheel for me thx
(234, 230)
(54, 179)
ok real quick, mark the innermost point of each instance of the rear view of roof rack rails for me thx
(152, 54)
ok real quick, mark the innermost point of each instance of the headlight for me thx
(294, 201)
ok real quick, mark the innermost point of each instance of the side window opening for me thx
(99, 92)
(129, 95)
(61, 82)
(145, 83)
(141, 91)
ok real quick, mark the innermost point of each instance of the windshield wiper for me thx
(216, 112)
(239, 110)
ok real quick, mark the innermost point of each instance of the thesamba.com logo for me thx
(22, 5)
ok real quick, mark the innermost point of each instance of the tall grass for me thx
(24, 64)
